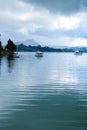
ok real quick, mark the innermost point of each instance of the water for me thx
(48, 93)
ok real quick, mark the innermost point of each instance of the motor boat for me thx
(77, 52)
(39, 54)
(15, 55)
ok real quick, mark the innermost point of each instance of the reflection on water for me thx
(7, 62)
(10, 62)
(0, 63)
(43, 94)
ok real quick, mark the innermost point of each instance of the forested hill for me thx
(30, 48)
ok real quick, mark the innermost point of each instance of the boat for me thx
(15, 55)
(77, 52)
(39, 54)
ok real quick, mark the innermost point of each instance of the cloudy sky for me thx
(49, 22)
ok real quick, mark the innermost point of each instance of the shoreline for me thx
(5, 53)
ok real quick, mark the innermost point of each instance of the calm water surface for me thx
(48, 93)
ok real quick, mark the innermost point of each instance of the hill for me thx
(32, 46)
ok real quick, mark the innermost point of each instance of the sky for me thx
(48, 22)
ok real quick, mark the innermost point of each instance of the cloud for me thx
(22, 20)
(25, 18)
(60, 6)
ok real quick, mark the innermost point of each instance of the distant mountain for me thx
(32, 46)
(27, 42)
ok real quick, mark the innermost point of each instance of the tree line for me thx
(10, 47)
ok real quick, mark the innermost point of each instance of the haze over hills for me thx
(27, 42)
(31, 45)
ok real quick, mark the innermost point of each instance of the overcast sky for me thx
(49, 22)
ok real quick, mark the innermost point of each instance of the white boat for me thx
(39, 54)
(77, 52)
(15, 55)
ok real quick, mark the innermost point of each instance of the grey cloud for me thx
(61, 6)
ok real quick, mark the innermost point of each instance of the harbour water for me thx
(48, 93)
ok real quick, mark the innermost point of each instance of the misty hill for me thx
(32, 46)
(28, 42)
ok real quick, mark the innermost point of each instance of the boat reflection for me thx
(10, 63)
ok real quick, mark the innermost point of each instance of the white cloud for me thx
(79, 42)
(25, 19)
(40, 18)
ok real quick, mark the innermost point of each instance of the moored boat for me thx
(77, 52)
(15, 55)
(39, 54)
